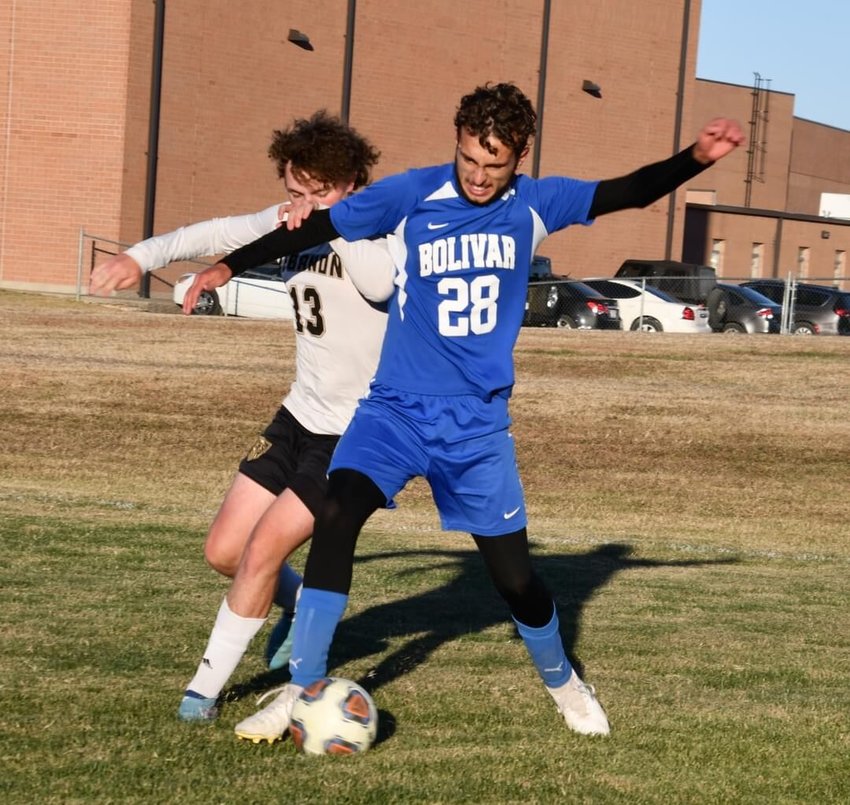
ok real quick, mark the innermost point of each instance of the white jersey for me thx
(336, 290)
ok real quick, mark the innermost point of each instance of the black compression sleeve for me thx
(315, 230)
(646, 184)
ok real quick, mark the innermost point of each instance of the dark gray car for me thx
(553, 301)
(736, 309)
(818, 309)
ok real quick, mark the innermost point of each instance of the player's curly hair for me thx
(325, 149)
(501, 110)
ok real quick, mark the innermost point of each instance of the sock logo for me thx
(207, 663)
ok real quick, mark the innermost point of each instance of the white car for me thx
(651, 309)
(259, 293)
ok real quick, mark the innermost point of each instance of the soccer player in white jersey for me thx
(337, 293)
(465, 234)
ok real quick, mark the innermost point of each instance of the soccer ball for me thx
(334, 717)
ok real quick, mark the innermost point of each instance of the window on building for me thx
(803, 261)
(718, 249)
(839, 270)
(757, 260)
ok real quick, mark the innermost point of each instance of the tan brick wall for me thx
(76, 79)
(820, 163)
(62, 115)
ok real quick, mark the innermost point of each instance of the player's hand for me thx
(116, 274)
(299, 211)
(206, 280)
(718, 138)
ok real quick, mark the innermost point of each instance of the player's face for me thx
(483, 175)
(312, 191)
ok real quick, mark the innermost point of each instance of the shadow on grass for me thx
(465, 605)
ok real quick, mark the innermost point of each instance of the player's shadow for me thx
(464, 605)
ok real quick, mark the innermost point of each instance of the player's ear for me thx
(522, 156)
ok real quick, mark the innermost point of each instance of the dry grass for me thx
(687, 500)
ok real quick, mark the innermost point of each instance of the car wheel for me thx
(803, 328)
(733, 327)
(649, 325)
(207, 304)
(565, 321)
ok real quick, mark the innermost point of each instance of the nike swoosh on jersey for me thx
(508, 515)
(436, 226)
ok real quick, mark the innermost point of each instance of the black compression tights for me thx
(351, 500)
(353, 497)
(509, 565)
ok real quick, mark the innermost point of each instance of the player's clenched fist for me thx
(206, 280)
(718, 138)
(116, 274)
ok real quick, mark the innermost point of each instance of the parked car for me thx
(643, 307)
(736, 309)
(689, 282)
(818, 309)
(553, 301)
(259, 293)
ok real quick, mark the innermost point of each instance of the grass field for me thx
(688, 505)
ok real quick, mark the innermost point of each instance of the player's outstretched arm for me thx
(281, 242)
(642, 187)
(117, 274)
(214, 236)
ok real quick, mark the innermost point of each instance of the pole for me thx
(153, 134)
(348, 61)
(677, 126)
(541, 87)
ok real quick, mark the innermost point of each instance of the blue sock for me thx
(546, 648)
(288, 582)
(319, 612)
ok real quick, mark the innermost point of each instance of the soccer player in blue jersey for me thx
(464, 235)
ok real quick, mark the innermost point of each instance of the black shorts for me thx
(287, 456)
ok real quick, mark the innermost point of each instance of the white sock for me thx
(228, 642)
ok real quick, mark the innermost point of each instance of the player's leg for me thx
(285, 525)
(352, 497)
(267, 470)
(533, 610)
(376, 456)
(476, 485)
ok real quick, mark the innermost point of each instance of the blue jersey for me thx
(462, 273)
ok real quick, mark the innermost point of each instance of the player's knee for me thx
(527, 598)
(221, 555)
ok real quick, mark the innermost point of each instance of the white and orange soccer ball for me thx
(334, 717)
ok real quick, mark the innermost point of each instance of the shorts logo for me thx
(262, 445)
(508, 515)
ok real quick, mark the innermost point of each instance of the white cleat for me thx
(580, 708)
(270, 723)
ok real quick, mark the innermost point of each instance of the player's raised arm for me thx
(642, 187)
(213, 236)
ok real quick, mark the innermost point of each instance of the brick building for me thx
(75, 116)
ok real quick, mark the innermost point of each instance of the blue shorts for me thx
(460, 444)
